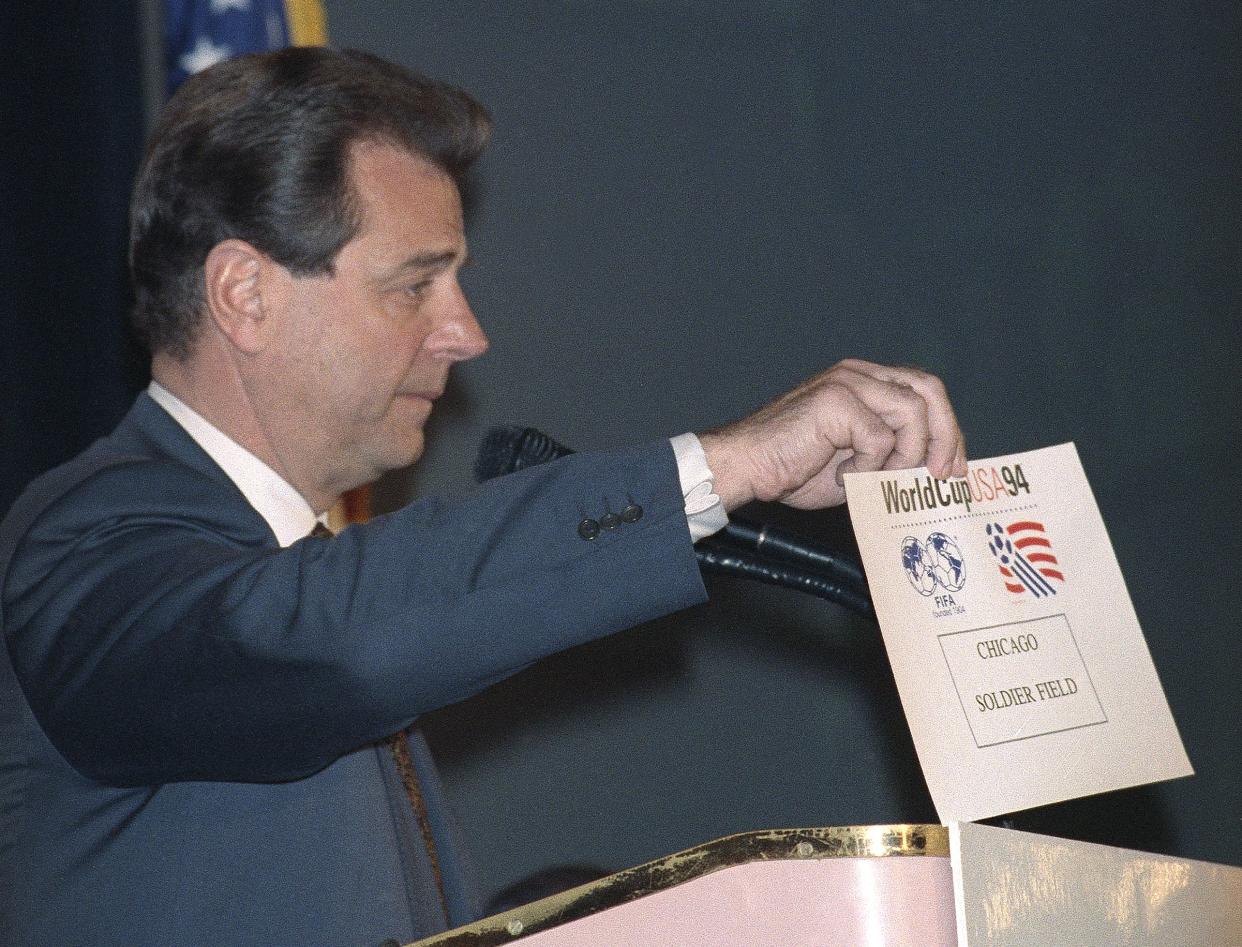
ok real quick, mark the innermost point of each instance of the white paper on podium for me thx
(1013, 889)
(1021, 666)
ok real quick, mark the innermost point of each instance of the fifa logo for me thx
(934, 563)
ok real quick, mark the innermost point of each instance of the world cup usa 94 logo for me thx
(1025, 558)
(934, 563)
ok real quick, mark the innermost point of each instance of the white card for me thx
(1022, 669)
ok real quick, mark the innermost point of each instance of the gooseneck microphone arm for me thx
(719, 559)
(768, 542)
(741, 550)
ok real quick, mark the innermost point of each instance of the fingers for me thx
(852, 438)
(898, 406)
(792, 449)
(872, 437)
(944, 451)
(826, 488)
(857, 416)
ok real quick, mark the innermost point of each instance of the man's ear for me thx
(237, 283)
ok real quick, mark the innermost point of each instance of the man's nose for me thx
(458, 336)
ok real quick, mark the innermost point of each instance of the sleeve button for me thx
(610, 521)
(588, 529)
(632, 513)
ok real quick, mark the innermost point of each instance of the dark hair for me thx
(257, 148)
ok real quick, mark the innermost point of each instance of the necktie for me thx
(400, 750)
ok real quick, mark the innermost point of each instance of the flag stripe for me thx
(308, 24)
(1025, 524)
(1029, 541)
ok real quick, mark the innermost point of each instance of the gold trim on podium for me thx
(851, 841)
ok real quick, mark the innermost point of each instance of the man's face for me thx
(367, 350)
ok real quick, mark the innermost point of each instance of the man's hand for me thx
(856, 416)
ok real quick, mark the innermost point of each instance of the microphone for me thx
(742, 549)
(510, 448)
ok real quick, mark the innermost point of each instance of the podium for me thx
(884, 886)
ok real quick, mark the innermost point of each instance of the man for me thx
(199, 697)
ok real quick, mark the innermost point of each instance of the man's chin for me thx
(401, 453)
(400, 447)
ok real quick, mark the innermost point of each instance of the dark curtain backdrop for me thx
(71, 95)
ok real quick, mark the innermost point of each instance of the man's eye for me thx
(418, 289)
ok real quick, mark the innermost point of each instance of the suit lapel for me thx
(148, 430)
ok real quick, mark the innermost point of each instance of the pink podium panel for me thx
(873, 902)
(871, 886)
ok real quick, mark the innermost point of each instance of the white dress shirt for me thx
(291, 517)
(285, 510)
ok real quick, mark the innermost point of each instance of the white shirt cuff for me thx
(704, 512)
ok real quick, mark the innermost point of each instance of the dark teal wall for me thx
(690, 206)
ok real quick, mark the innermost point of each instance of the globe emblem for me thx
(937, 561)
(945, 562)
(918, 565)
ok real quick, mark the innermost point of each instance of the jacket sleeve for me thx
(153, 646)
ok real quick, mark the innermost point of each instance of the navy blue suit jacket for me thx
(189, 713)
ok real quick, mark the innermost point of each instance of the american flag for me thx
(201, 33)
(1024, 556)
